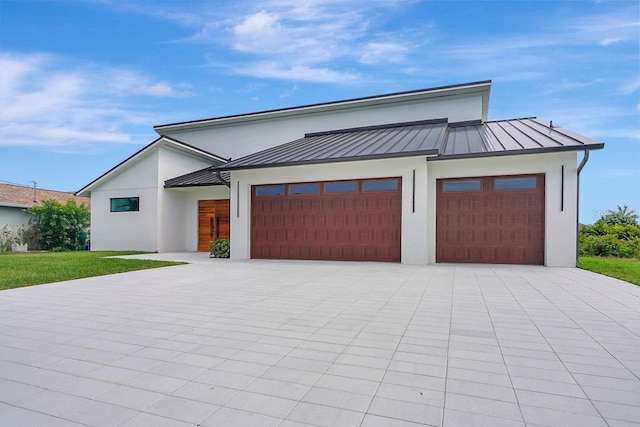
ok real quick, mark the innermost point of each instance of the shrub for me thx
(622, 216)
(31, 235)
(220, 248)
(621, 241)
(8, 236)
(58, 226)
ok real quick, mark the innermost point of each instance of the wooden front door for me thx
(213, 222)
(491, 219)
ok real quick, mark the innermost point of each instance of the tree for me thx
(61, 227)
(622, 216)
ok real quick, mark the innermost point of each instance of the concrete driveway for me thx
(226, 343)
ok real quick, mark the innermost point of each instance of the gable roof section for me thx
(19, 196)
(434, 139)
(166, 140)
(482, 87)
(200, 178)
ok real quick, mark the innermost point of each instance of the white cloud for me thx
(610, 41)
(46, 102)
(383, 52)
(301, 73)
(309, 40)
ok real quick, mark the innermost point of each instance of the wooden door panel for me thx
(214, 222)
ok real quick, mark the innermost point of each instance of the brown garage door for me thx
(491, 220)
(213, 222)
(357, 220)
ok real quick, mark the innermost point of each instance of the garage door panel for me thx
(491, 226)
(354, 225)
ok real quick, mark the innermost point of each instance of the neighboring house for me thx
(416, 177)
(14, 199)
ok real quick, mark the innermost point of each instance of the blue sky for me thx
(83, 82)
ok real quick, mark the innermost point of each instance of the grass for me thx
(619, 268)
(26, 269)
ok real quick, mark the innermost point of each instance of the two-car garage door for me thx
(355, 220)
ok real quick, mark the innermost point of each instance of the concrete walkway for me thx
(232, 343)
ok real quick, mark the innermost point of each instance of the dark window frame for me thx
(116, 208)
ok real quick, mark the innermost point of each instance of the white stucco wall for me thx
(173, 215)
(248, 137)
(413, 245)
(160, 225)
(560, 226)
(127, 230)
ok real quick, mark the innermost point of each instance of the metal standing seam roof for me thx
(200, 178)
(436, 139)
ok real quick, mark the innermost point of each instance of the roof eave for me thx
(193, 185)
(86, 190)
(483, 86)
(15, 205)
(545, 150)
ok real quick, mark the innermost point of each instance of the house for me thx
(416, 177)
(14, 199)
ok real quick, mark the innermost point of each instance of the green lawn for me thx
(25, 269)
(620, 268)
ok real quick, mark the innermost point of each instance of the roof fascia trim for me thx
(192, 185)
(189, 147)
(144, 150)
(194, 124)
(598, 146)
(14, 205)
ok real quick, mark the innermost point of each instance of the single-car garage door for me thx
(356, 220)
(498, 219)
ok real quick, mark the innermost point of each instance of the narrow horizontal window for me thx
(466, 185)
(341, 187)
(514, 183)
(380, 185)
(270, 190)
(304, 188)
(125, 204)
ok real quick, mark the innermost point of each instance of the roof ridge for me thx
(377, 127)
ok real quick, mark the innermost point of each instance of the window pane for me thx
(380, 185)
(468, 185)
(304, 188)
(270, 190)
(125, 204)
(514, 183)
(341, 187)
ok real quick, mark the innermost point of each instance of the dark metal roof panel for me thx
(457, 140)
(200, 178)
(364, 143)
